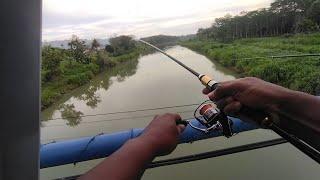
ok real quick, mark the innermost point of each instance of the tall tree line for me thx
(283, 17)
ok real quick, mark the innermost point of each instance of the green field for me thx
(299, 73)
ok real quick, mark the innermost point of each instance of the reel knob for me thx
(209, 113)
(209, 116)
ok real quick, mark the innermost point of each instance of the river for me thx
(154, 81)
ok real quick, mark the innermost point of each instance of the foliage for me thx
(109, 49)
(69, 113)
(283, 17)
(162, 40)
(66, 69)
(122, 45)
(296, 73)
(51, 58)
(95, 45)
(78, 49)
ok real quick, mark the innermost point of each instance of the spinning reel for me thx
(211, 118)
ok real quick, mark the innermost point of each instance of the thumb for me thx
(181, 128)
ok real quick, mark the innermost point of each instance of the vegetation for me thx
(283, 17)
(300, 73)
(66, 69)
(288, 27)
(162, 40)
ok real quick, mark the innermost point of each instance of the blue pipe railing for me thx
(102, 145)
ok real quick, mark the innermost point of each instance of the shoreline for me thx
(68, 88)
(293, 72)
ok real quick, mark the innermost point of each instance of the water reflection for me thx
(69, 113)
(89, 93)
(91, 97)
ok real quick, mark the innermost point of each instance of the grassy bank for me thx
(64, 74)
(301, 73)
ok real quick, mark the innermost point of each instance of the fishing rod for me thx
(207, 113)
(212, 118)
(205, 79)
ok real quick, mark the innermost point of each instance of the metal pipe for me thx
(103, 145)
(217, 153)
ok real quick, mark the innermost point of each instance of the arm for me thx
(301, 109)
(130, 161)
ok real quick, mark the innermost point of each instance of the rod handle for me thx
(208, 82)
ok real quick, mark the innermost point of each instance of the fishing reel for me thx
(211, 118)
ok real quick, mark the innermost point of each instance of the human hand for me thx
(251, 92)
(162, 133)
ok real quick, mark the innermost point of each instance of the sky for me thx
(90, 19)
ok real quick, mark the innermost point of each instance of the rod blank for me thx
(172, 58)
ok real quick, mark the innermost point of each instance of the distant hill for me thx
(187, 37)
(64, 43)
(161, 40)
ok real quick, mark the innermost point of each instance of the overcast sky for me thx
(104, 18)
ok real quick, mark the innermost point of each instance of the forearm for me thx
(127, 163)
(303, 108)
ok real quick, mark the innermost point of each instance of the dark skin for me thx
(259, 95)
(159, 138)
(161, 135)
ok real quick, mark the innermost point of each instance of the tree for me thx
(78, 49)
(122, 45)
(109, 48)
(51, 58)
(95, 45)
(283, 16)
(313, 12)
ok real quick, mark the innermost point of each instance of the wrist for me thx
(282, 99)
(287, 100)
(147, 143)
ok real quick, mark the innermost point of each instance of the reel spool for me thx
(211, 118)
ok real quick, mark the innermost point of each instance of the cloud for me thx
(54, 19)
(103, 18)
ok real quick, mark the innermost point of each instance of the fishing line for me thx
(53, 140)
(114, 119)
(123, 112)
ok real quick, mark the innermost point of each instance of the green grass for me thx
(301, 73)
(74, 74)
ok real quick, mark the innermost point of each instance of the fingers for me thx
(229, 105)
(169, 120)
(233, 108)
(172, 117)
(181, 128)
(225, 89)
(206, 91)
(178, 121)
(168, 116)
(223, 102)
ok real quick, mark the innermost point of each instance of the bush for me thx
(65, 69)
(296, 73)
(48, 96)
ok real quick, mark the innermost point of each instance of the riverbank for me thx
(300, 73)
(74, 74)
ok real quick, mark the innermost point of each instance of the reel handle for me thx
(226, 124)
(182, 122)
